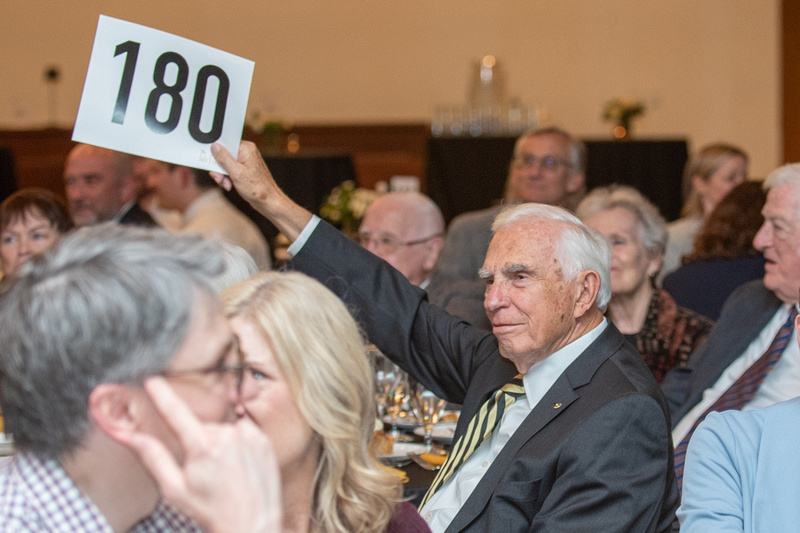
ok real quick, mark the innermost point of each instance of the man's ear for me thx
(116, 409)
(587, 290)
(432, 249)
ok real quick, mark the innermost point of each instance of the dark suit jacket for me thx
(594, 455)
(743, 317)
(704, 285)
(138, 217)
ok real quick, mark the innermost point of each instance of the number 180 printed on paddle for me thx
(157, 95)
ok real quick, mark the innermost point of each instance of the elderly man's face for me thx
(533, 180)
(779, 240)
(385, 231)
(529, 304)
(93, 191)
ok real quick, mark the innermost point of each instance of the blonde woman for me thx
(709, 175)
(309, 386)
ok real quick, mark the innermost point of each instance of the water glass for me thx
(428, 409)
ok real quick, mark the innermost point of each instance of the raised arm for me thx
(253, 180)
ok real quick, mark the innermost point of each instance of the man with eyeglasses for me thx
(405, 229)
(83, 327)
(548, 167)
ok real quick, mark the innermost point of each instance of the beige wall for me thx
(707, 69)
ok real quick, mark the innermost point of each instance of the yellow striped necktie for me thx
(478, 430)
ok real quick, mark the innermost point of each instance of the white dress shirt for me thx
(781, 384)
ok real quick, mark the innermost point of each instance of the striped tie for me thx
(742, 391)
(478, 430)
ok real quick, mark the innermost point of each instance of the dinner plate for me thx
(401, 450)
(442, 432)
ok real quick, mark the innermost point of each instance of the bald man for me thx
(100, 186)
(405, 229)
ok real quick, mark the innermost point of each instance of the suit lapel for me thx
(560, 393)
(556, 401)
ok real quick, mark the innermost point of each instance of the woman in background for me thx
(312, 395)
(649, 318)
(31, 220)
(708, 176)
(723, 256)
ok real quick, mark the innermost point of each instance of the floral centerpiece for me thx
(346, 205)
(622, 112)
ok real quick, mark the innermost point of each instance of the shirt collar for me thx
(122, 212)
(541, 376)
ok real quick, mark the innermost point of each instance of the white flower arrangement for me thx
(346, 205)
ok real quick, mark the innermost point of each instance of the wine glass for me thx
(384, 371)
(428, 408)
(397, 396)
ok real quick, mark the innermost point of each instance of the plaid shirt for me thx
(37, 495)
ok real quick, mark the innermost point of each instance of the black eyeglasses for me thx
(220, 368)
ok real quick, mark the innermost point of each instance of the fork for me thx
(422, 462)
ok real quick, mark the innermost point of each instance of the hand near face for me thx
(228, 480)
(253, 180)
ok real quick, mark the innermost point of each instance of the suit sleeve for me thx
(744, 315)
(438, 349)
(712, 489)
(611, 472)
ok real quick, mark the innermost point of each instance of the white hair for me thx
(578, 247)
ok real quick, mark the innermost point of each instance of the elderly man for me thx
(406, 230)
(547, 167)
(749, 359)
(101, 186)
(82, 327)
(563, 427)
(204, 209)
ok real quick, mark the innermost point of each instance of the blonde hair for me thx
(319, 349)
(704, 164)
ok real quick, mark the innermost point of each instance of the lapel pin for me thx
(556, 406)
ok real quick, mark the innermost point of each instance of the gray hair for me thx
(239, 265)
(108, 304)
(651, 226)
(578, 247)
(785, 175)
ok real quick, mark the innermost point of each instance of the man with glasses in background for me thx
(548, 167)
(83, 326)
(405, 229)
